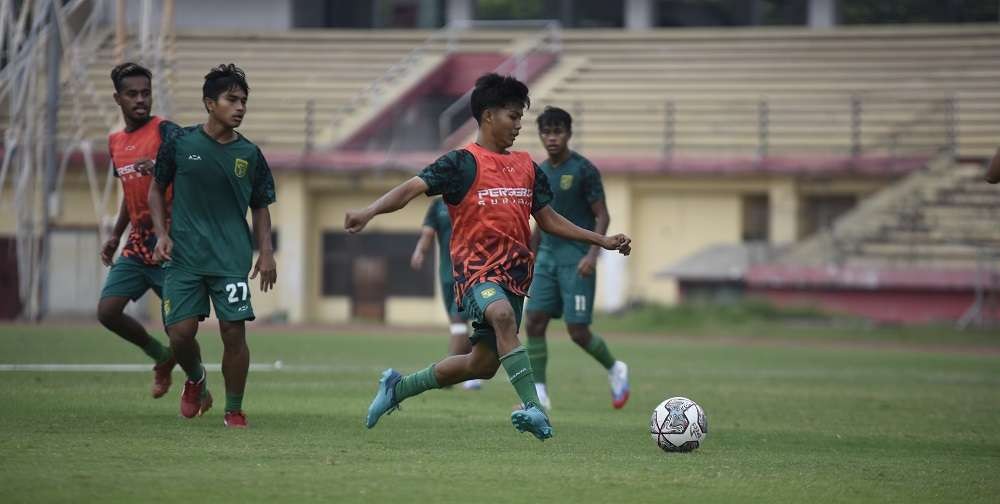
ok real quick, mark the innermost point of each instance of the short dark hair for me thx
(494, 90)
(120, 72)
(223, 78)
(555, 116)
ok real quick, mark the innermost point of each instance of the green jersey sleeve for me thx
(593, 187)
(262, 193)
(166, 159)
(542, 193)
(450, 176)
(169, 130)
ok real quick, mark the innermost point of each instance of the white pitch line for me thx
(145, 368)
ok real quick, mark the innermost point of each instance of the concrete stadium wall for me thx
(669, 217)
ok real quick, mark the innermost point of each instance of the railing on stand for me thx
(850, 126)
(371, 93)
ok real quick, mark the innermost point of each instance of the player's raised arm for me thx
(397, 198)
(993, 173)
(551, 222)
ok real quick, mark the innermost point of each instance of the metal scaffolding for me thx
(46, 48)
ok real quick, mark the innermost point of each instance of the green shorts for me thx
(131, 278)
(560, 291)
(186, 295)
(474, 304)
(450, 306)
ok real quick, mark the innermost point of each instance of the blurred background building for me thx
(816, 152)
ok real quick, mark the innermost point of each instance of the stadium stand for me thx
(943, 217)
(285, 71)
(715, 81)
(701, 93)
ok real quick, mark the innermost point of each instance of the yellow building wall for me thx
(330, 200)
(671, 224)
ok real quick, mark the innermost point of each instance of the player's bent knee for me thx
(183, 332)
(501, 316)
(106, 317)
(233, 334)
(580, 334)
(108, 311)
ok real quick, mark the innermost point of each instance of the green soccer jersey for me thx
(576, 185)
(214, 184)
(439, 220)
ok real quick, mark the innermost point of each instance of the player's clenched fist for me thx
(164, 246)
(144, 167)
(355, 220)
(619, 242)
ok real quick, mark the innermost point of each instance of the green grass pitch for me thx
(800, 422)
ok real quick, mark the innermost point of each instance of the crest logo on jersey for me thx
(488, 293)
(166, 307)
(241, 168)
(565, 182)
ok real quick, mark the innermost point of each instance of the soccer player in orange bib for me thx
(490, 192)
(133, 151)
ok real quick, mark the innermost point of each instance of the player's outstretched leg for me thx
(393, 388)
(514, 359)
(235, 367)
(196, 399)
(110, 311)
(594, 345)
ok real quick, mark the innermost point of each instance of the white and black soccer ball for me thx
(678, 425)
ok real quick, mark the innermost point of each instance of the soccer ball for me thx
(678, 425)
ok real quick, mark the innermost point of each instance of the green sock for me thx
(157, 351)
(538, 355)
(197, 375)
(599, 350)
(416, 383)
(518, 368)
(234, 402)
